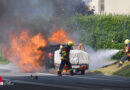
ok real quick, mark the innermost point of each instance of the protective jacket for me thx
(127, 50)
(65, 51)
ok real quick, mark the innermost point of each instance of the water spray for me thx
(101, 58)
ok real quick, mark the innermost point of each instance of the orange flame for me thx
(23, 51)
(59, 36)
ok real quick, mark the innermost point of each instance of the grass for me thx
(114, 70)
(4, 62)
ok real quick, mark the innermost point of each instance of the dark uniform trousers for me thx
(126, 57)
(63, 63)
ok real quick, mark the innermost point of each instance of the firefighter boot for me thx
(120, 64)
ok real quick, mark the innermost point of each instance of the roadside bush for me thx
(105, 31)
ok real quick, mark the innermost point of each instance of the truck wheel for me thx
(75, 71)
(82, 72)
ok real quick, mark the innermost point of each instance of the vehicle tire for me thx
(82, 72)
(75, 71)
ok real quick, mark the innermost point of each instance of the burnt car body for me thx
(48, 60)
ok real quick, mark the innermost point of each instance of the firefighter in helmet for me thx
(127, 51)
(65, 60)
(81, 47)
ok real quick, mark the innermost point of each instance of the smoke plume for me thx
(37, 15)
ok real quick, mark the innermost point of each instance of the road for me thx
(47, 81)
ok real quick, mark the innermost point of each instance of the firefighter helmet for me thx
(70, 43)
(127, 41)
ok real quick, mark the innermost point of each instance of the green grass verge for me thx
(4, 62)
(114, 70)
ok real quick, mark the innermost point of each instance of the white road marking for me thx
(43, 74)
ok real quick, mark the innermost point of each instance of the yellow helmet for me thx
(127, 41)
(70, 43)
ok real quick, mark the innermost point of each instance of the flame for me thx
(23, 51)
(59, 36)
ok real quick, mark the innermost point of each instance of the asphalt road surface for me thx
(48, 81)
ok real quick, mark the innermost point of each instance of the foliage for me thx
(105, 31)
(3, 60)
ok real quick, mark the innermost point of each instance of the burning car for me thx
(31, 53)
(48, 61)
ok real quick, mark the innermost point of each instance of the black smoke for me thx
(37, 15)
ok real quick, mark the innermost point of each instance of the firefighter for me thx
(65, 60)
(127, 51)
(80, 46)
